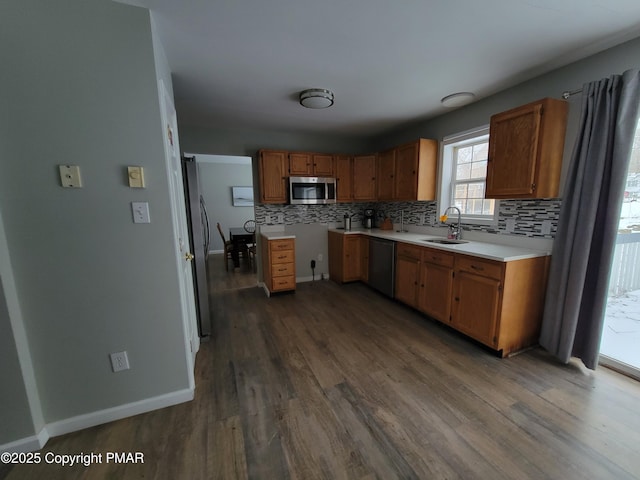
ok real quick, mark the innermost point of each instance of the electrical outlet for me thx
(119, 361)
(546, 227)
(280, 218)
(320, 257)
(510, 225)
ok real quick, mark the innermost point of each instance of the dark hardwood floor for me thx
(338, 382)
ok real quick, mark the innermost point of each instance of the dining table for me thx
(239, 238)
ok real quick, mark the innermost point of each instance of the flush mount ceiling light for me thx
(316, 98)
(457, 99)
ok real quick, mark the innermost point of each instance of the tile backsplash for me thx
(530, 218)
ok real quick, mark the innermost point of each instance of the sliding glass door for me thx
(620, 346)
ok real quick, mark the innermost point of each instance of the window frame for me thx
(445, 197)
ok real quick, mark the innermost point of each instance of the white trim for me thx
(225, 159)
(28, 444)
(80, 422)
(446, 174)
(92, 419)
(620, 367)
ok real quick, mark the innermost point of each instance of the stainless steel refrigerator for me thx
(199, 239)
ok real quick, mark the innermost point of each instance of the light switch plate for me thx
(510, 225)
(70, 176)
(136, 177)
(546, 227)
(140, 211)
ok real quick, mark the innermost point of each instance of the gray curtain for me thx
(588, 224)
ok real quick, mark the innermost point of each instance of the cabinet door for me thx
(436, 285)
(406, 172)
(476, 302)
(386, 175)
(344, 178)
(322, 165)
(513, 152)
(407, 277)
(364, 258)
(352, 258)
(272, 169)
(300, 164)
(364, 177)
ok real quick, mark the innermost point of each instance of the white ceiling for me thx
(242, 63)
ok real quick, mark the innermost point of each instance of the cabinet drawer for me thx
(283, 269)
(408, 250)
(278, 245)
(284, 283)
(486, 268)
(437, 257)
(286, 256)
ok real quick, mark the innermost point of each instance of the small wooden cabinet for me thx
(526, 145)
(424, 278)
(310, 164)
(364, 178)
(348, 257)
(278, 264)
(272, 170)
(344, 178)
(408, 172)
(500, 304)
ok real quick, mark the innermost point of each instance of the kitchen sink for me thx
(445, 241)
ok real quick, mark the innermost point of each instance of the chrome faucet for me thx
(455, 231)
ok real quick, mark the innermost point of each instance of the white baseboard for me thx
(28, 444)
(92, 419)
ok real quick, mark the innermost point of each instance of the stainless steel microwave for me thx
(312, 190)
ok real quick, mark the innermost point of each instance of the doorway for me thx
(621, 332)
(226, 185)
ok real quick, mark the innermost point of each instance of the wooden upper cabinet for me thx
(526, 145)
(344, 178)
(364, 178)
(272, 170)
(416, 166)
(408, 172)
(322, 165)
(300, 164)
(310, 164)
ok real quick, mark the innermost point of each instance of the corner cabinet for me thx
(364, 178)
(526, 145)
(273, 173)
(278, 264)
(348, 257)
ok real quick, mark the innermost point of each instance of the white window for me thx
(464, 171)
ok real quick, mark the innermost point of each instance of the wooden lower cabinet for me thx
(278, 264)
(408, 264)
(348, 257)
(424, 279)
(499, 304)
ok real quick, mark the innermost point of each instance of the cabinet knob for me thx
(457, 299)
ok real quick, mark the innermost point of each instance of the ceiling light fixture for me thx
(316, 98)
(457, 99)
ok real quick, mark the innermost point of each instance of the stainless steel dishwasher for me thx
(382, 263)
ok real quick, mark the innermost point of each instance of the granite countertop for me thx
(490, 251)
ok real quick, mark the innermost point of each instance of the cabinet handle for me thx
(457, 299)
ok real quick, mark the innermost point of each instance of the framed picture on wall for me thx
(242, 196)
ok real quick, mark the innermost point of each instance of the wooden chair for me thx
(228, 248)
(250, 226)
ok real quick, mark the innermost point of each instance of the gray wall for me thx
(80, 87)
(216, 180)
